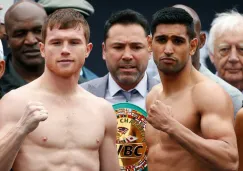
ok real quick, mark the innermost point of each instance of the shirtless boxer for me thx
(191, 120)
(78, 131)
(239, 135)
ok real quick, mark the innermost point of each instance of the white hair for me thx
(1, 50)
(231, 21)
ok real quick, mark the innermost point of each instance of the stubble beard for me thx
(127, 79)
(171, 70)
(62, 72)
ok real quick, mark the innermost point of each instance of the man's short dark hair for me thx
(126, 17)
(172, 15)
(64, 19)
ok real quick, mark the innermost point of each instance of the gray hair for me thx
(231, 21)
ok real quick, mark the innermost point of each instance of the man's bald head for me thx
(197, 28)
(26, 7)
(23, 23)
(196, 19)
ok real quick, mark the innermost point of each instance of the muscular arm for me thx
(15, 124)
(11, 137)
(216, 147)
(107, 152)
(239, 135)
(10, 143)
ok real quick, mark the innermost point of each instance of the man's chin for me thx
(35, 61)
(67, 74)
(127, 79)
(233, 78)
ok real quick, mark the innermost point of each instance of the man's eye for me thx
(19, 34)
(178, 41)
(74, 42)
(38, 31)
(56, 43)
(137, 47)
(224, 51)
(161, 40)
(117, 47)
(240, 51)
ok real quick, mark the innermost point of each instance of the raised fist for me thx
(34, 113)
(159, 115)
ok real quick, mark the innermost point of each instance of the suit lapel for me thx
(99, 88)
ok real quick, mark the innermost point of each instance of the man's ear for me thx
(193, 44)
(42, 49)
(88, 49)
(211, 57)
(149, 39)
(2, 68)
(202, 39)
(103, 51)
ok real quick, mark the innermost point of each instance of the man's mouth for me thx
(233, 70)
(32, 52)
(167, 60)
(65, 61)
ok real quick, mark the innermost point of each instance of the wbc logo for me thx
(130, 137)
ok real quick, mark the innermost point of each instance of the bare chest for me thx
(184, 111)
(69, 127)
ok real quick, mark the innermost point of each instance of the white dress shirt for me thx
(138, 99)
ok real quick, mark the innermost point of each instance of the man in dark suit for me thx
(126, 50)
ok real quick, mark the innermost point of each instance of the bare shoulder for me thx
(12, 107)
(209, 89)
(11, 100)
(94, 99)
(102, 105)
(209, 96)
(154, 92)
(13, 103)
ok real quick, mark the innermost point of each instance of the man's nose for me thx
(127, 55)
(65, 49)
(168, 48)
(31, 39)
(233, 56)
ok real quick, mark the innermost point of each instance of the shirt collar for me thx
(141, 87)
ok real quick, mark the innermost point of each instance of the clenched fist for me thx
(159, 115)
(35, 112)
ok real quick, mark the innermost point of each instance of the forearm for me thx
(215, 154)
(10, 144)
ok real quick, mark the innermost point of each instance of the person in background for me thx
(225, 45)
(126, 51)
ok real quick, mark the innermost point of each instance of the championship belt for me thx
(130, 137)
